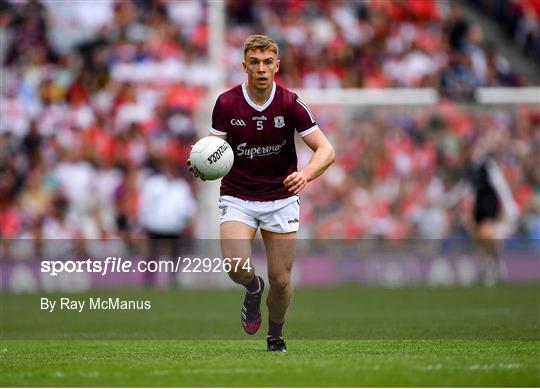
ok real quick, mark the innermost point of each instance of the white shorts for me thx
(280, 216)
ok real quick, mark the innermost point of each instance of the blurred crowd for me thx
(396, 166)
(520, 19)
(99, 103)
(375, 44)
(97, 97)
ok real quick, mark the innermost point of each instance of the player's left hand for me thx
(295, 182)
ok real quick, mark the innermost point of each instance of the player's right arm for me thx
(218, 129)
(219, 122)
(502, 188)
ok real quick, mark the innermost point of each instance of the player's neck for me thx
(259, 96)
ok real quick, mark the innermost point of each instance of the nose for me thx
(261, 67)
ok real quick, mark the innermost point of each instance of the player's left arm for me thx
(323, 156)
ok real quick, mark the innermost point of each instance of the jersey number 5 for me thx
(259, 125)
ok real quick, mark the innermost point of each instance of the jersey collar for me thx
(256, 106)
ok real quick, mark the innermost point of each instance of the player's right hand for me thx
(188, 163)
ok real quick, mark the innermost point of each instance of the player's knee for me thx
(279, 281)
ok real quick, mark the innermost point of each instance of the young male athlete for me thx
(258, 119)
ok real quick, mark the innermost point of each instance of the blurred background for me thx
(101, 100)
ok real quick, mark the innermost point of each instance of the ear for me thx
(244, 66)
(277, 65)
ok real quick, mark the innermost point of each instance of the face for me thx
(261, 67)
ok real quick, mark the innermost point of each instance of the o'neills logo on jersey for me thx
(260, 151)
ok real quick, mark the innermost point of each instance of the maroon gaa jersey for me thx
(262, 139)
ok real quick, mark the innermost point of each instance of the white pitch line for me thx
(493, 366)
(224, 371)
(160, 372)
(89, 374)
(431, 367)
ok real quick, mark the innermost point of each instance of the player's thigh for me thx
(280, 250)
(281, 216)
(236, 238)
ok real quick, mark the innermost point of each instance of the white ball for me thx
(211, 158)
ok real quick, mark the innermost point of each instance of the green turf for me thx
(243, 363)
(506, 311)
(337, 337)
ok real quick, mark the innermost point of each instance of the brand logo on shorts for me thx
(279, 121)
(223, 209)
(295, 220)
(237, 122)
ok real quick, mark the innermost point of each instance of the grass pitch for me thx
(336, 337)
(244, 363)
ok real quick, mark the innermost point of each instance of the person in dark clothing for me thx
(494, 211)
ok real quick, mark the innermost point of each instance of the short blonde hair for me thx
(260, 42)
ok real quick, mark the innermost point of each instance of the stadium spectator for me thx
(166, 212)
(520, 19)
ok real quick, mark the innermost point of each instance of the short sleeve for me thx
(218, 120)
(304, 120)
